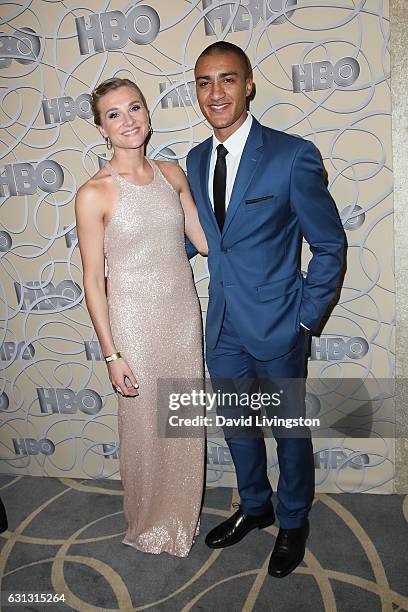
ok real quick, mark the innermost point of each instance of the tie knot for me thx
(221, 151)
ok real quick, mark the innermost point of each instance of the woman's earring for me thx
(108, 143)
(150, 132)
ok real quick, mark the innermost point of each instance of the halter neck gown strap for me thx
(116, 175)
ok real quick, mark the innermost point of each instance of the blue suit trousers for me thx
(230, 361)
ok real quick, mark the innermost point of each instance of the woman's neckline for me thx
(114, 173)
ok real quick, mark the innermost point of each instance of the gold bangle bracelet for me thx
(112, 357)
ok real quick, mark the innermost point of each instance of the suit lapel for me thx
(251, 156)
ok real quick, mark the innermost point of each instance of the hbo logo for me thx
(67, 401)
(245, 16)
(23, 45)
(12, 350)
(179, 95)
(5, 241)
(31, 446)
(93, 350)
(60, 110)
(24, 179)
(71, 236)
(4, 402)
(32, 295)
(321, 75)
(111, 31)
(333, 459)
(110, 450)
(353, 217)
(218, 455)
(335, 349)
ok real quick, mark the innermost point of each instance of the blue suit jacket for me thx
(279, 195)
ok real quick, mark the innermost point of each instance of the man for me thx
(258, 191)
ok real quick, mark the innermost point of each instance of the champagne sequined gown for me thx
(156, 325)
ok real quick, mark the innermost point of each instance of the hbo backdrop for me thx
(322, 72)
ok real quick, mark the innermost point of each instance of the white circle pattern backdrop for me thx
(321, 69)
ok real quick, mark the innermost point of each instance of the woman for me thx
(135, 212)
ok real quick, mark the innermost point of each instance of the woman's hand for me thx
(122, 378)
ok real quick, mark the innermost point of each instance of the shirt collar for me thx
(236, 142)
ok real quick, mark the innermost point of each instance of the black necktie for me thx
(219, 185)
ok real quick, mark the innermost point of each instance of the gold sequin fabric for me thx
(156, 325)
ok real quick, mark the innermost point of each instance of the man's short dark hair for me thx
(222, 46)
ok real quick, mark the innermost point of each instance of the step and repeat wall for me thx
(321, 71)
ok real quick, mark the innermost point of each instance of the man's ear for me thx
(249, 86)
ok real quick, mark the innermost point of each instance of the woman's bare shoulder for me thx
(99, 185)
(173, 173)
(94, 196)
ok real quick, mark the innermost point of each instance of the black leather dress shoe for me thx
(289, 551)
(3, 518)
(236, 527)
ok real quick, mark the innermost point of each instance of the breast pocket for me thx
(262, 201)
